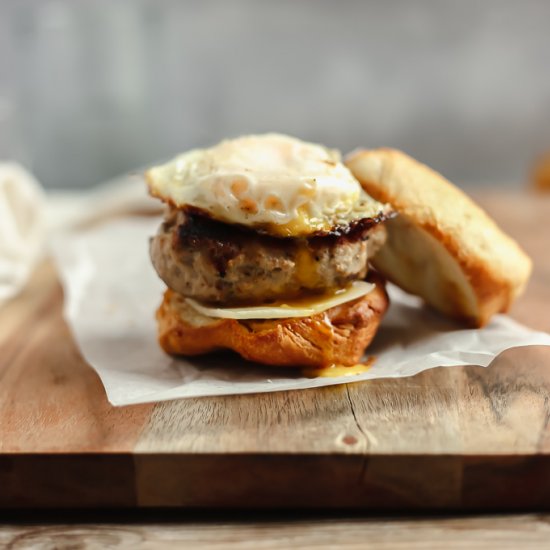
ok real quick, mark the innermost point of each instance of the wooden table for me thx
(219, 532)
(462, 438)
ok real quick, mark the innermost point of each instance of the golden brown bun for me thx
(442, 246)
(337, 336)
(541, 172)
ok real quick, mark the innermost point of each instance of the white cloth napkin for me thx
(22, 227)
(29, 217)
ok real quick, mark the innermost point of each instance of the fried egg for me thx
(272, 182)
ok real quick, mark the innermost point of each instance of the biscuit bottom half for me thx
(337, 336)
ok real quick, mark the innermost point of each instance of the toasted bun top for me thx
(494, 269)
(285, 186)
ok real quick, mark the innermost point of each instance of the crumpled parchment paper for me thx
(112, 292)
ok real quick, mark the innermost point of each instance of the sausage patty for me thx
(225, 264)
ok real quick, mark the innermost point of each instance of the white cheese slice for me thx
(297, 308)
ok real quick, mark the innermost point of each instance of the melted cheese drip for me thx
(301, 307)
(284, 186)
(335, 371)
(306, 267)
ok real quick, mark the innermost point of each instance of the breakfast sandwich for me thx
(265, 250)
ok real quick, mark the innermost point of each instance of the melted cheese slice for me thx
(293, 308)
(275, 183)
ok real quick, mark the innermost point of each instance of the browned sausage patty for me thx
(227, 264)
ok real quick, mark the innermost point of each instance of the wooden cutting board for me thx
(455, 438)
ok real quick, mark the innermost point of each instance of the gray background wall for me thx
(89, 90)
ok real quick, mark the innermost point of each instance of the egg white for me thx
(282, 185)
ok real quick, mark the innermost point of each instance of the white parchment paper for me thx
(112, 292)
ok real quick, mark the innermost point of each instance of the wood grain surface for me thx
(525, 532)
(450, 438)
